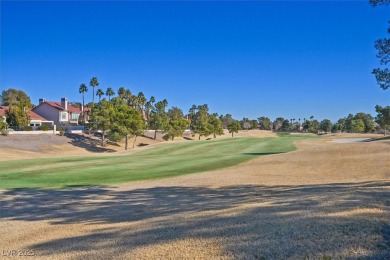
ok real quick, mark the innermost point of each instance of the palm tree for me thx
(109, 92)
(152, 100)
(93, 83)
(99, 93)
(165, 102)
(121, 92)
(82, 89)
(141, 100)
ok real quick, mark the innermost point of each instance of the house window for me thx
(75, 116)
(64, 116)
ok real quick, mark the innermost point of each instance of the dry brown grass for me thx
(325, 199)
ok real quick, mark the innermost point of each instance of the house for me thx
(35, 119)
(61, 113)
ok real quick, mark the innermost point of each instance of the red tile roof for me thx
(2, 110)
(71, 108)
(35, 116)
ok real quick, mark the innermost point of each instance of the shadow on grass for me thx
(261, 154)
(90, 144)
(277, 222)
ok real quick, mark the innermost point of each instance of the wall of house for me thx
(48, 112)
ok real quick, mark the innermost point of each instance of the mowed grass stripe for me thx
(165, 161)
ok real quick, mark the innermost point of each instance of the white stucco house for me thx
(61, 113)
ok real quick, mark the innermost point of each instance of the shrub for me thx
(26, 128)
(43, 128)
(166, 137)
(114, 136)
(5, 132)
(62, 131)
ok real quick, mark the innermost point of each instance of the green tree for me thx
(18, 116)
(286, 125)
(264, 123)
(382, 75)
(368, 120)
(99, 93)
(383, 117)
(326, 125)
(127, 121)
(158, 118)
(177, 123)
(357, 126)
(110, 92)
(277, 124)
(215, 125)
(200, 122)
(93, 83)
(312, 125)
(102, 117)
(121, 92)
(226, 120)
(82, 89)
(15, 97)
(234, 127)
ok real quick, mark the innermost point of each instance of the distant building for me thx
(61, 113)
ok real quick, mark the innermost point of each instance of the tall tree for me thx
(382, 75)
(82, 89)
(234, 127)
(141, 103)
(383, 117)
(94, 82)
(99, 93)
(17, 115)
(15, 97)
(278, 123)
(226, 120)
(127, 121)
(200, 121)
(158, 118)
(326, 125)
(215, 125)
(177, 123)
(121, 92)
(357, 126)
(102, 117)
(110, 92)
(264, 123)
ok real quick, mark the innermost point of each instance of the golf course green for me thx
(162, 161)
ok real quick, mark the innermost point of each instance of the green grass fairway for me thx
(163, 161)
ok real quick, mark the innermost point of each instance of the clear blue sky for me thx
(292, 59)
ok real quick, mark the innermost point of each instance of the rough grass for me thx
(164, 161)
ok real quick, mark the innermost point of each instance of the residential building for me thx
(61, 113)
(35, 119)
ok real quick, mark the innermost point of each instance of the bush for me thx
(166, 137)
(5, 132)
(114, 136)
(26, 128)
(62, 131)
(43, 128)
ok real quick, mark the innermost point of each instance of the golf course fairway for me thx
(162, 161)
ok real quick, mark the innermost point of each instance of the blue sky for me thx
(256, 58)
